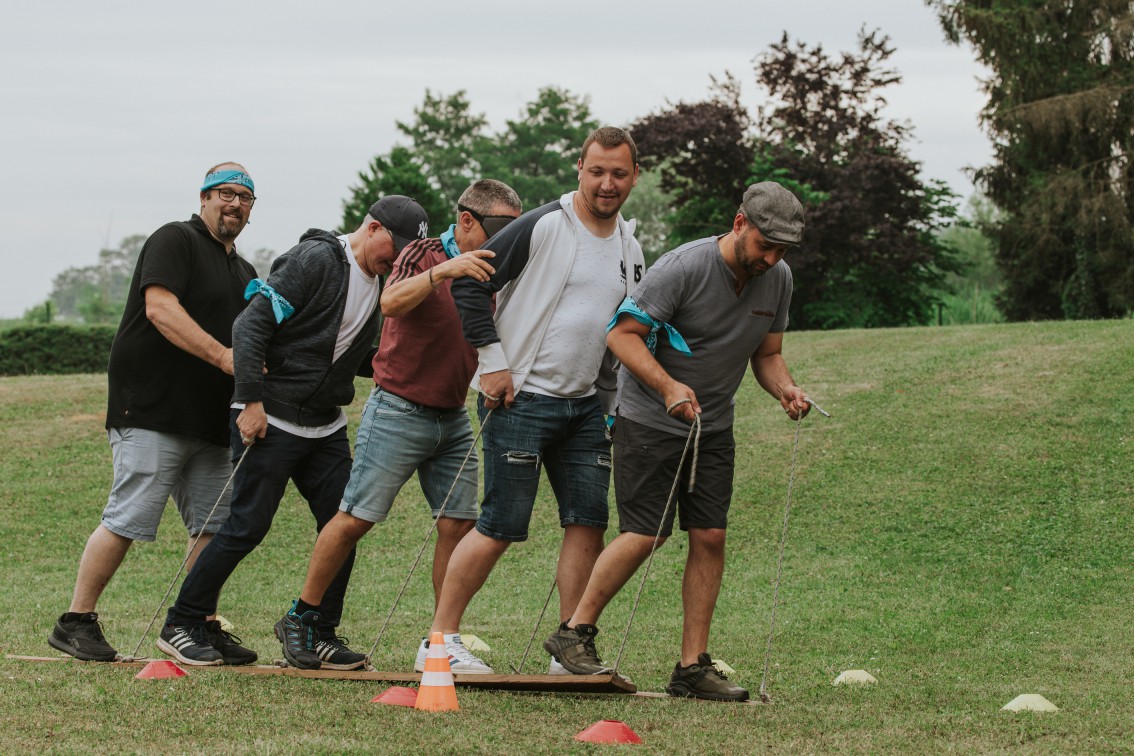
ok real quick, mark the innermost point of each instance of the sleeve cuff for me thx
(492, 358)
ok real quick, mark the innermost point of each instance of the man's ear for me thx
(465, 220)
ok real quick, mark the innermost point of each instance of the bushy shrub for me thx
(55, 349)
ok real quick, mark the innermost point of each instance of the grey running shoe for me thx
(703, 680)
(228, 644)
(574, 648)
(189, 644)
(82, 638)
(333, 652)
(296, 632)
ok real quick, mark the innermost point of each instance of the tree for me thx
(1060, 112)
(446, 140)
(396, 173)
(97, 293)
(537, 154)
(702, 151)
(871, 255)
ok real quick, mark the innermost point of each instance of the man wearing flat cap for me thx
(700, 316)
(170, 382)
(307, 331)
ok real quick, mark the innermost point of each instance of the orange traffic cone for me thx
(437, 692)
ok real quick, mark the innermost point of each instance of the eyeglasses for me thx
(492, 224)
(228, 195)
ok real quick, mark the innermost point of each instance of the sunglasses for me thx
(492, 224)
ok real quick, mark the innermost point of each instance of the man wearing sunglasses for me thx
(170, 381)
(415, 419)
(312, 324)
(561, 271)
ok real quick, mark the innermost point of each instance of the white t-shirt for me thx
(362, 296)
(573, 345)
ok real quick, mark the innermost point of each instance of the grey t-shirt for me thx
(692, 289)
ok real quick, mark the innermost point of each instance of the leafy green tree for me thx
(97, 293)
(396, 173)
(1060, 112)
(537, 154)
(871, 255)
(702, 152)
(446, 138)
(651, 206)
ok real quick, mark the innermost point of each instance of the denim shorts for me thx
(150, 467)
(567, 437)
(644, 468)
(397, 438)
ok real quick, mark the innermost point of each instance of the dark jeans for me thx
(319, 467)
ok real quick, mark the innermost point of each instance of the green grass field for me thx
(962, 529)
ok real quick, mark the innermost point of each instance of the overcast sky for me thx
(113, 110)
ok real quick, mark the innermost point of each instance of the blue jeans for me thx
(319, 467)
(396, 438)
(565, 436)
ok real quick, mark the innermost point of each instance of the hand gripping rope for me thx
(428, 536)
(188, 553)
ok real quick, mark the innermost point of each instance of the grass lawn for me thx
(962, 529)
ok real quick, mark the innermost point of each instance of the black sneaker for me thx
(333, 652)
(228, 644)
(703, 680)
(189, 644)
(574, 648)
(82, 638)
(296, 633)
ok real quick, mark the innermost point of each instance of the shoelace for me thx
(460, 652)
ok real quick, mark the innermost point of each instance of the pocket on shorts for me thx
(390, 404)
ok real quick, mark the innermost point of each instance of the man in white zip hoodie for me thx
(561, 271)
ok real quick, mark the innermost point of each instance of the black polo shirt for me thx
(154, 384)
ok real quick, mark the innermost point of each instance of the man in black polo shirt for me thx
(170, 379)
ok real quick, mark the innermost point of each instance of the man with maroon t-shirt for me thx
(415, 419)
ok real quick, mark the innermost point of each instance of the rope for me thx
(542, 612)
(780, 562)
(428, 537)
(188, 554)
(694, 439)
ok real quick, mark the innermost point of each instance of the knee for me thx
(453, 527)
(707, 540)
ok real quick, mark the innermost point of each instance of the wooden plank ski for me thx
(534, 683)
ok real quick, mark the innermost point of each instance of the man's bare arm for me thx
(403, 296)
(628, 342)
(772, 373)
(164, 310)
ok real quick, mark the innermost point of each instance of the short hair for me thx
(221, 165)
(611, 137)
(484, 195)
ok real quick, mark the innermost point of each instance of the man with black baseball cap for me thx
(307, 331)
(686, 336)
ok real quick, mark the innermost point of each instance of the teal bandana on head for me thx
(227, 177)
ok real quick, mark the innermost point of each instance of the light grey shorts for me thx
(150, 467)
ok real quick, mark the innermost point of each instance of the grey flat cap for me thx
(775, 212)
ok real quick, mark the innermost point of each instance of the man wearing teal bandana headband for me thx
(170, 381)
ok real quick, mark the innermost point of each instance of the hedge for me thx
(55, 349)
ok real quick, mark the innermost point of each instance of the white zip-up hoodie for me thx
(534, 257)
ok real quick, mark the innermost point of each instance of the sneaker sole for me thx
(419, 668)
(280, 635)
(63, 646)
(342, 667)
(550, 648)
(684, 691)
(169, 650)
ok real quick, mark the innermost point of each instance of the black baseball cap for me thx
(403, 217)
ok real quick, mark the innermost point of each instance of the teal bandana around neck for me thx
(449, 241)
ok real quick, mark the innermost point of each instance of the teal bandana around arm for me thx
(281, 308)
(629, 307)
(227, 177)
(449, 241)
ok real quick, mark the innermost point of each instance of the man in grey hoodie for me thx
(297, 347)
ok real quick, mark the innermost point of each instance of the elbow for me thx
(391, 309)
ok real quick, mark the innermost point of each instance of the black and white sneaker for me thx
(334, 654)
(189, 644)
(228, 644)
(82, 638)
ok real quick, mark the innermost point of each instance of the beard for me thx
(229, 226)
